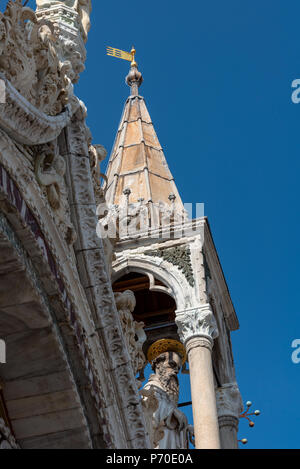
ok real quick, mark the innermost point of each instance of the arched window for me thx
(156, 309)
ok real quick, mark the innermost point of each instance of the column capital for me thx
(197, 322)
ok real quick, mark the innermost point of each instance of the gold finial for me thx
(121, 54)
(133, 52)
(166, 345)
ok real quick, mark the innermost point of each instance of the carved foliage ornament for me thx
(197, 322)
(178, 256)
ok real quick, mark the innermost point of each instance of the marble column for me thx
(197, 329)
(229, 407)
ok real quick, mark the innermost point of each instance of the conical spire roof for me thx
(137, 169)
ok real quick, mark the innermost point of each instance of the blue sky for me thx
(217, 82)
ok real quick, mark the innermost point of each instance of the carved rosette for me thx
(197, 322)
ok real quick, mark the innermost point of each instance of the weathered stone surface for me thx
(70, 439)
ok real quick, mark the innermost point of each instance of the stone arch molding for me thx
(176, 284)
(32, 220)
(28, 125)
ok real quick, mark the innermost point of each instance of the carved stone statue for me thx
(97, 154)
(169, 426)
(50, 169)
(29, 60)
(133, 331)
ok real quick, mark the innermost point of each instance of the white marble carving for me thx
(133, 331)
(50, 169)
(169, 428)
(97, 154)
(29, 59)
(197, 322)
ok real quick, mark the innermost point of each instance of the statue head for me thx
(166, 367)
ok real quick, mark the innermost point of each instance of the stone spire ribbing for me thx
(137, 169)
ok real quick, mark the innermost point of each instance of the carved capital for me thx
(197, 322)
(229, 402)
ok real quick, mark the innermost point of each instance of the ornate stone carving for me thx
(229, 401)
(82, 7)
(25, 123)
(71, 24)
(197, 322)
(168, 426)
(178, 256)
(71, 316)
(97, 154)
(133, 331)
(134, 220)
(114, 391)
(28, 58)
(50, 169)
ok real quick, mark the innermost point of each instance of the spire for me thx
(137, 171)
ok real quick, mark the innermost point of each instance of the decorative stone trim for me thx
(61, 329)
(228, 421)
(25, 123)
(121, 390)
(14, 197)
(196, 342)
(178, 256)
(196, 322)
(229, 401)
